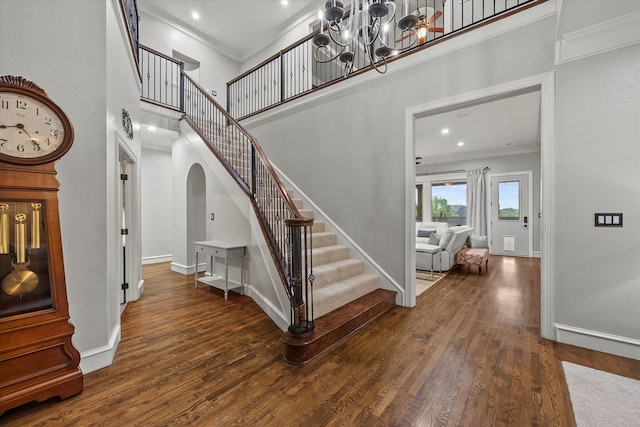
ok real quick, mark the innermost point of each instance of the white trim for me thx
(529, 174)
(156, 259)
(100, 357)
(181, 268)
(545, 83)
(599, 341)
(620, 32)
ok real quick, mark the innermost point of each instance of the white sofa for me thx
(452, 239)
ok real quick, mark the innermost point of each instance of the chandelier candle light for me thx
(367, 25)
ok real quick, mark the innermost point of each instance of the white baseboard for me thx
(278, 317)
(100, 357)
(156, 259)
(599, 341)
(181, 268)
(537, 254)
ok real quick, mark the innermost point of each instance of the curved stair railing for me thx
(287, 232)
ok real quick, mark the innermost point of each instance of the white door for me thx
(510, 216)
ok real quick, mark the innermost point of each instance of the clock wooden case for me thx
(37, 358)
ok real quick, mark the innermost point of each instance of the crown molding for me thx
(598, 38)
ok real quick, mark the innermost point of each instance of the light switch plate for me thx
(608, 220)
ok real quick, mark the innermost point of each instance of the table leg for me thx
(432, 265)
(226, 278)
(195, 275)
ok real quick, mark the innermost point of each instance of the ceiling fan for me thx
(424, 25)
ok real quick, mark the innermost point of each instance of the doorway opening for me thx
(541, 84)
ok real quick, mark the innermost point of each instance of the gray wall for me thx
(597, 276)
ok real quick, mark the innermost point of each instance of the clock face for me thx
(30, 128)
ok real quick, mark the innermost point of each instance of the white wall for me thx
(79, 68)
(157, 206)
(216, 69)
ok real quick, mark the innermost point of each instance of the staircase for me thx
(345, 297)
(331, 295)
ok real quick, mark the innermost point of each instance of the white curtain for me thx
(477, 201)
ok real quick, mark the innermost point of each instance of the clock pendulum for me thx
(21, 280)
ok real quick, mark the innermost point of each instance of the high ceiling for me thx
(237, 28)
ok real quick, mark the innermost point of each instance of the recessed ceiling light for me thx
(284, 2)
(445, 131)
(460, 144)
(195, 15)
(151, 128)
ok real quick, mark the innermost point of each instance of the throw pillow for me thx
(478, 242)
(434, 239)
(424, 233)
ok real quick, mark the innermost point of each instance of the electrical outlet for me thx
(211, 216)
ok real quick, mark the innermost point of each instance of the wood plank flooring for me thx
(469, 354)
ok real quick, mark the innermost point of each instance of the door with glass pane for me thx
(510, 216)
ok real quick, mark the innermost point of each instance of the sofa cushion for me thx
(446, 238)
(457, 241)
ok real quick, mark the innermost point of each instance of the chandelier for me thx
(369, 27)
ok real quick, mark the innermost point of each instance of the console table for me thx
(226, 251)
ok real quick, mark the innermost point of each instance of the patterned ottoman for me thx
(473, 256)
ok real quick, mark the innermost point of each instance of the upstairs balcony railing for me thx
(301, 68)
(287, 232)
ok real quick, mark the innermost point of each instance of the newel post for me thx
(300, 275)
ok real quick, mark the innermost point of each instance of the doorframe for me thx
(136, 284)
(529, 210)
(545, 83)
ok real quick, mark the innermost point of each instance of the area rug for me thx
(601, 399)
(424, 280)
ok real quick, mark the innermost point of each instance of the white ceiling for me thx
(238, 28)
(497, 128)
(500, 127)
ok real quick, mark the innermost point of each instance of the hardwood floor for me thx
(468, 354)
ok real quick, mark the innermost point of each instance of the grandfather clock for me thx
(37, 358)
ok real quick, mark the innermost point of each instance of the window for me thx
(449, 202)
(509, 200)
(418, 202)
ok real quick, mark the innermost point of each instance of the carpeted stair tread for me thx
(324, 238)
(334, 295)
(336, 271)
(327, 254)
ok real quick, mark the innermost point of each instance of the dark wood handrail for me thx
(162, 55)
(258, 150)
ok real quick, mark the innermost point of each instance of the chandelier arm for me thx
(339, 31)
(324, 61)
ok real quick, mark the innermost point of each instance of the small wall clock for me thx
(37, 358)
(126, 123)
